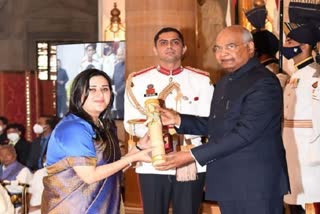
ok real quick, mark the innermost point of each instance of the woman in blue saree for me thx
(83, 158)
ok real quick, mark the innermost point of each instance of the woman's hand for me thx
(142, 156)
(144, 142)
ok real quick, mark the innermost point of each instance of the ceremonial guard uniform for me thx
(301, 133)
(265, 42)
(192, 94)
(195, 98)
(301, 126)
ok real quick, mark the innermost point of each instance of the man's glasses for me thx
(228, 47)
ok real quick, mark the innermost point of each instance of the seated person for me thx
(13, 172)
(5, 203)
(15, 133)
(38, 147)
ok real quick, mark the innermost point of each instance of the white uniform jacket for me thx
(301, 131)
(197, 92)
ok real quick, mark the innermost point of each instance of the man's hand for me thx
(169, 117)
(175, 159)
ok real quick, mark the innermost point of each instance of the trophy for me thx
(155, 131)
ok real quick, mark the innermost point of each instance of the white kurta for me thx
(197, 92)
(6, 206)
(302, 103)
(24, 176)
(36, 189)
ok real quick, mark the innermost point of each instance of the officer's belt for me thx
(297, 123)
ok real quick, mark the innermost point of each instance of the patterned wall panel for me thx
(18, 98)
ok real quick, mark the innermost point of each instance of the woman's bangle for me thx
(138, 147)
(128, 162)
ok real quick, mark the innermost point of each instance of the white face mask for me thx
(38, 129)
(14, 137)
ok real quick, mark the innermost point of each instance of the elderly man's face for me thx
(231, 51)
(7, 156)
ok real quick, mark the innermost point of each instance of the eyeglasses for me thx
(228, 47)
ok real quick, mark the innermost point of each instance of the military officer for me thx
(301, 128)
(184, 89)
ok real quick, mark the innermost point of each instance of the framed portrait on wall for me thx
(75, 58)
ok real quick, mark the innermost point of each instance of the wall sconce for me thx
(115, 31)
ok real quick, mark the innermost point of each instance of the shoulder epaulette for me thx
(198, 71)
(143, 71)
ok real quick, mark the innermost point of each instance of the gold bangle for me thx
(128, 162)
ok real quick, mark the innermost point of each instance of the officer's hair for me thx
(166, 30)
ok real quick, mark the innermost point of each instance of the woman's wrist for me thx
(127, 161)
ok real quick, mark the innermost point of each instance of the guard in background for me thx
(265, 42)
(301, 127)
(301, 107)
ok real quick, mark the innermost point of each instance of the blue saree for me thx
(71, 144)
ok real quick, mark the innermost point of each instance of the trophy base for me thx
(158, 159)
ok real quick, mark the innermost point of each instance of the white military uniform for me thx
(197, 92)
(301, 133)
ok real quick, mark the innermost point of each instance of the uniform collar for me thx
(304, 63)
(253, 62)
(169, 72)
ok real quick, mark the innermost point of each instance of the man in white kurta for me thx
(191, 94)
(301, 131)
(6, 206)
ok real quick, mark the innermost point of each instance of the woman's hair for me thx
(105, 132)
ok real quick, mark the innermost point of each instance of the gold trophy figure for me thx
(155, 131)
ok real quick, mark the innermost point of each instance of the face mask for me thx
(14, 137)
(38, 129)
(290, 52)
